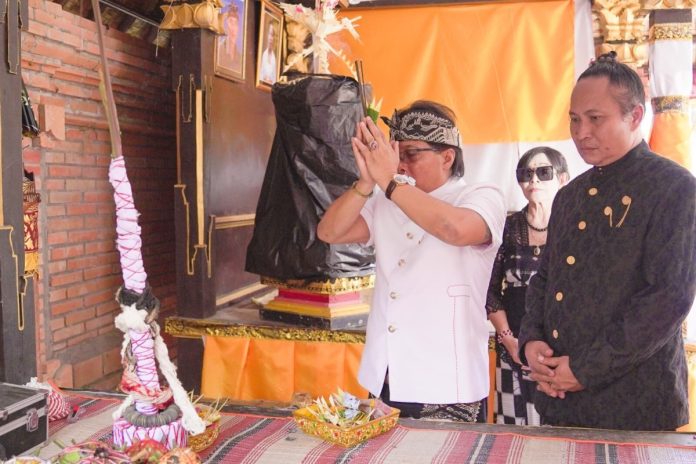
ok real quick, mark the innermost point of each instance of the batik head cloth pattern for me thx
(422, 125)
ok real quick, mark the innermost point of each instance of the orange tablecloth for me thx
(273, 365)
(247, 368)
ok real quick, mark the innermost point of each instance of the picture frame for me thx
(270, 45)
(230, 48)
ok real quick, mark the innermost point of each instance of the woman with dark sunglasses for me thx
(540, 172)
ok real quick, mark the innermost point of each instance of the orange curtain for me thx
(691, 366)
(671, 137)
(507, 69)
(247, 368)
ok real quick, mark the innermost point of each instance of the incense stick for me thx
(361, 85)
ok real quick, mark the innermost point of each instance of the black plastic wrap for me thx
(310, 165)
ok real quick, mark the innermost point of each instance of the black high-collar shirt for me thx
(615, 283)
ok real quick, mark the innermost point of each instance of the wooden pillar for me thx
(224, 128)
(192, 71)
(17, 320)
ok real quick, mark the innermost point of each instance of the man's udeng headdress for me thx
(422, 125)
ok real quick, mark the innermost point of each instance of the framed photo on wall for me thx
(269, 54)
(230, 48)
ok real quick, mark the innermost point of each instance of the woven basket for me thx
(206, 438)
(203, 440)
(346, 437)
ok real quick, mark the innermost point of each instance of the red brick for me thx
(88, 371)
(98, 197)
(69, 251)
(54, 9)
(57, 323)
(36, 27)
(55, 210)
(100, 247)
(80, 158)
(78, 339)
(65, 171)
(65, 278)
(63, 376)
(69, 223)
(103, 321)
(57, 295)
(68, 332)
(54, 184)
(98, 271)
(64, 197)
(57, 238)
(85, 235)
(107, 330)
(109, 382)
(66, 306)
(95, 173)
(76, 317)
(52, 119)
(79, 184)
(79, 209)
(88, 286)
(112, 360)
(87, 262)
(58, 347)
(29, 155)
(55, 267)
(101, 220)
(110, 307)
(99, 297)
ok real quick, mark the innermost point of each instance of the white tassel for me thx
(119, 411)
(190, 420)
(131, 319)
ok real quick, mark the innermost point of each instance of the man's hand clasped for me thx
(377, 157)
(552, 374)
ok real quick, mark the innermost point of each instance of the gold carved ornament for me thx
(670, 31)
(203, 15)
(196, 328)
(621, 26)
(326, 287)
(670, 104)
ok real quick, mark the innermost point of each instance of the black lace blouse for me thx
(515, 263)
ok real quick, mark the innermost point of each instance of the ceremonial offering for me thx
(180, 456)
(146, 451)
(92, 452)
(26, 460)
(151, 410)
(211, 418)
(23, 419)
(345, 420)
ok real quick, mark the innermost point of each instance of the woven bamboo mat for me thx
(257, 439)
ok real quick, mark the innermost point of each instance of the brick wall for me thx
(79, 264)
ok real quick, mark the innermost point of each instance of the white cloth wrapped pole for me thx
(143, 347)
(128, 240)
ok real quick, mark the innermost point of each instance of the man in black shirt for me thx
(602, 333)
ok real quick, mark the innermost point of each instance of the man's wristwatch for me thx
(397, 180)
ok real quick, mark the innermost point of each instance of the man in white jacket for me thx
(435, 240)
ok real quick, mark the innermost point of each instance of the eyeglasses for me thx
(411, 155)
(542, 172)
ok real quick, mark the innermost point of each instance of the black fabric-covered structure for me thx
(310, 165)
